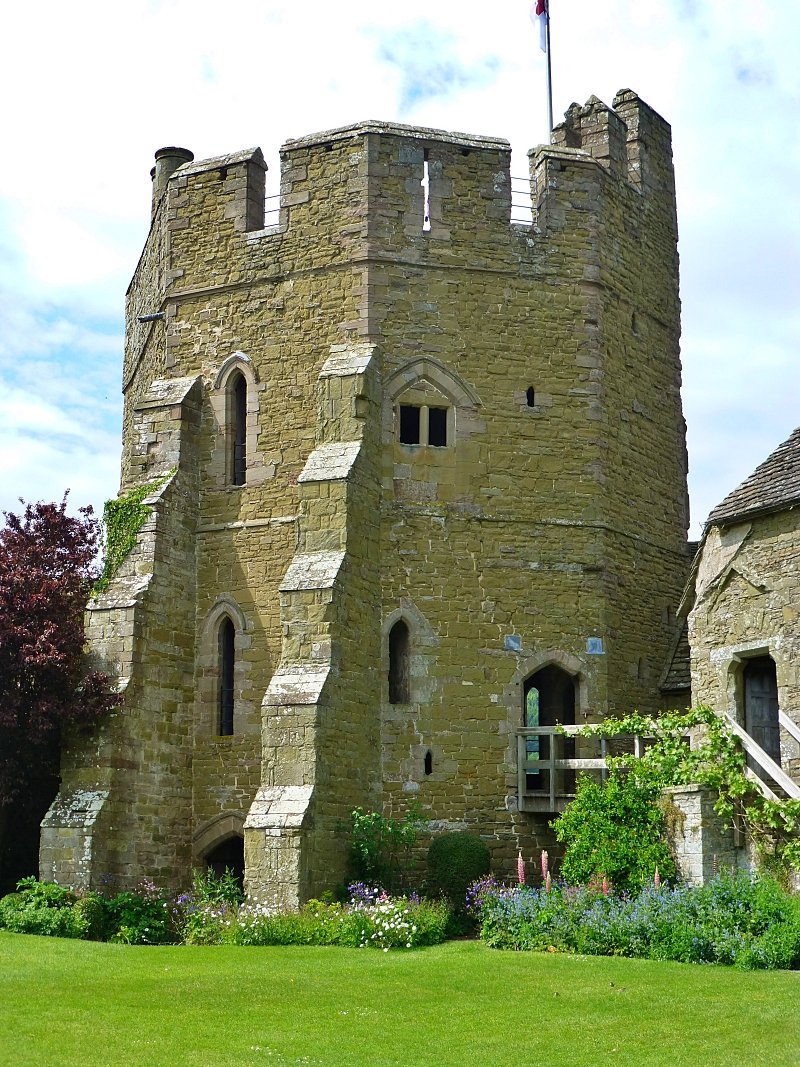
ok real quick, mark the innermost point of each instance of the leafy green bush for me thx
(213, 913)
(716, 760)
(749, 923)
(96, 913)
(455, 861)
(381, 847)
(144, 917)
(614, 830)
(42, 908)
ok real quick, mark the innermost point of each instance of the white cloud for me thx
(98, 87)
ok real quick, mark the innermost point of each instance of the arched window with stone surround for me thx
(549, 700)
(237, 428)
(236, 460)
(427, 401)
(400, 663)
(226, 663)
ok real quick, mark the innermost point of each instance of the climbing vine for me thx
(716, 761)
(123, 518)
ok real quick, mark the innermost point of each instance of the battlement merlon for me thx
(396, 129)
(234, 183)
(629, 140)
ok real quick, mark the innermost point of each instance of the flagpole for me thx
(549, 71)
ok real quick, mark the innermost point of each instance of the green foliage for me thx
(141, 918)
(144, 917)
(716, 761)
(381, 847)
(387, 923)
(455, 860)
(42, 908)
(213, 914)
(615, 830)
(222, 890)
(123, 518)
(97, 916)
(749, 923)
(204, 915)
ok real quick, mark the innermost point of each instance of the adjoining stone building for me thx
(743, 604)
(419, 480)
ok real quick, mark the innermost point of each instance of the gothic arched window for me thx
(549, 700)
(237, 428)
(399, 663)
(226, 660)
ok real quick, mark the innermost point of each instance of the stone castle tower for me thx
(419, 480)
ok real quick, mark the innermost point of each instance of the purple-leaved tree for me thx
(47, 567)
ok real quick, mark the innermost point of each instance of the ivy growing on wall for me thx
(123, 518)
(718, 762)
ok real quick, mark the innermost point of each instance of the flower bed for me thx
(748, 922)
(213, 914)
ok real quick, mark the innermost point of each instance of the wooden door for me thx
(761, 706)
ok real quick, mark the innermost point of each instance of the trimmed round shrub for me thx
(455, 861)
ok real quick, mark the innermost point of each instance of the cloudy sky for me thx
(91, 89)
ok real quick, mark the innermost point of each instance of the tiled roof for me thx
(773, 486)
(678, 675)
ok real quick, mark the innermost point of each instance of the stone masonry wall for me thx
(702, 844)
(746, 605)
(545, 525)
(548, 529)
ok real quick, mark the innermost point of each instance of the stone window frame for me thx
(207, 699)
(411, 399)
(236, 429)
(423, 685)
(421, 383)
(226, 668)
(224, 409)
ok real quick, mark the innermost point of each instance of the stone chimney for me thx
(167, 162)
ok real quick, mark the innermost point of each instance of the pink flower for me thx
(606, 886)
(545, 864)
(520, 869)
(657, 879)
(548, 882)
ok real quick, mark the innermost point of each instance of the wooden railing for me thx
(546, 780)
(546, 764)
(766, 763)
(790, 727)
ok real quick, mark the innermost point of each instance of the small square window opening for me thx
(409, 424)
(437, 427)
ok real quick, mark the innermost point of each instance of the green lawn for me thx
(96, 1005)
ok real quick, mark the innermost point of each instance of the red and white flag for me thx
(539, 16)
